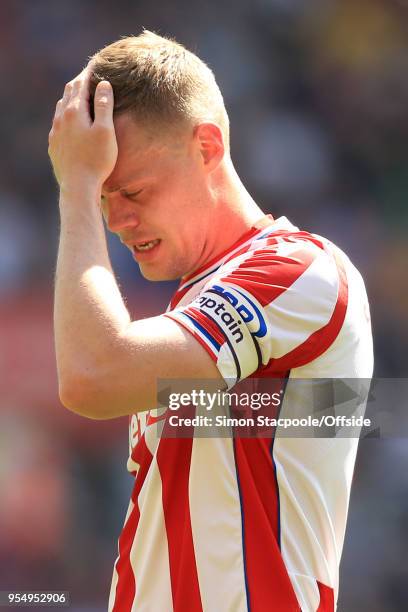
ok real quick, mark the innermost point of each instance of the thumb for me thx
(103, 103)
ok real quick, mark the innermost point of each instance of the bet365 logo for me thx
(244, 311)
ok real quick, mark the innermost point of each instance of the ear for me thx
(211, 143)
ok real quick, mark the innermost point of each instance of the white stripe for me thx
(351, 354)
(304, 307)
(313, 509)
(314, 492)
(149, 553)
(216, 525)
(226, 366)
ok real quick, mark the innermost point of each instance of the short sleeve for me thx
(270, 308)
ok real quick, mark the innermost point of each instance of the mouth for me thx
(146, 246)
(143, 250)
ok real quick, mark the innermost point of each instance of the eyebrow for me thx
(112, 189)
(118, 188)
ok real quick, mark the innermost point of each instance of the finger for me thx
(73, 88)
(79, 82)
(103, 103)
(67, 95)
(58, 110)
(82, 90)
(76, 97)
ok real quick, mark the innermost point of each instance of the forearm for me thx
(89, 313)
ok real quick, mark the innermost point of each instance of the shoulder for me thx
(264, 302)
(293, 261)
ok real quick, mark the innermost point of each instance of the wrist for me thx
(81, 187)
(80, 202)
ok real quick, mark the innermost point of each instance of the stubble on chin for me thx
(159, 273)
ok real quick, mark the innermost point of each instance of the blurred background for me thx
(317, 93)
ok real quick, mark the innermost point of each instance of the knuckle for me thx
(75, 87)
(102, 132)
(101, 129)
(68, 88)
(101, 102)
(70, 112)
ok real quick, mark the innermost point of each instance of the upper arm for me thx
(125, 380)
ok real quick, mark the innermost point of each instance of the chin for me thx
(156, 274)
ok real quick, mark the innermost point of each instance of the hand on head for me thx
(82, 149)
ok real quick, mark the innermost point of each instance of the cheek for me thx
(184, 244)
(184, 210)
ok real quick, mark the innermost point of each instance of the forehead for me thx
(143, 149)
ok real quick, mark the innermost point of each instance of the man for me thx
(215, 524)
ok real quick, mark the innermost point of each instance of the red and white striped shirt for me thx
(228, 524)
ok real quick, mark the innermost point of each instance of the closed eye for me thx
(132, 196)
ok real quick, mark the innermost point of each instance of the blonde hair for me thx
(157, 78)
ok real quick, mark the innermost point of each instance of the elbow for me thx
(78, 393)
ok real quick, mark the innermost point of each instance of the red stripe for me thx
(177, 297)
(126, 585)
(266, 274)
(269, 586)
(272, 240)
(207, 323)
(320, 340)
(152, 420)
(173, 458)
(326, 598)
(207, 346)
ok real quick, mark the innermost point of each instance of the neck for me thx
(234, 211)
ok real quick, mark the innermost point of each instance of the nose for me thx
(119, 215)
